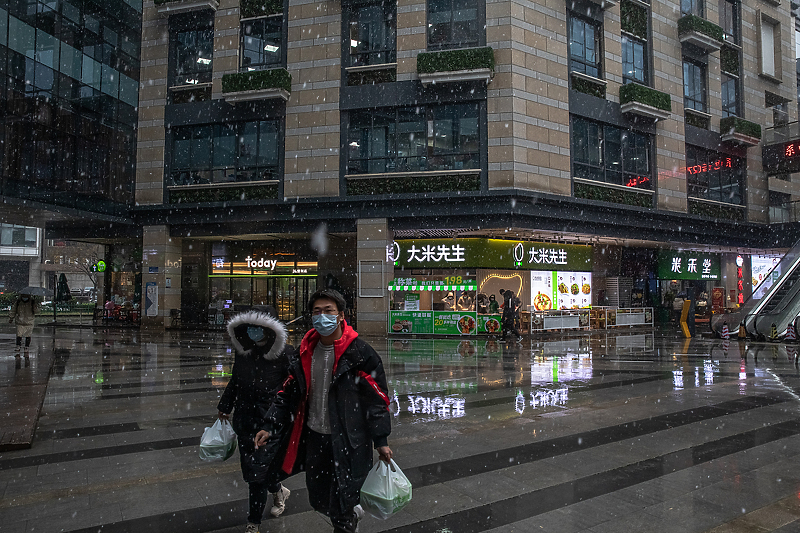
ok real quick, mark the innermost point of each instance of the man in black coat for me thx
(260, 367)
(330, 412)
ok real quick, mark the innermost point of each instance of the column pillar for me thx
(161, 265)
(373, 276)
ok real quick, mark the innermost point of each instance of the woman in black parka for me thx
(260, 367)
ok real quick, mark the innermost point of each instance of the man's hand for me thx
(224, 416)
(261, 438)
(385, 454)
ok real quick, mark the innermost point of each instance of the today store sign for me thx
(688, 265)
(488, 253)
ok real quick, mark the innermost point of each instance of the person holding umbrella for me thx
(23, 313)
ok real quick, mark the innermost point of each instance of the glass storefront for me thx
(246, 275)
(428, 297)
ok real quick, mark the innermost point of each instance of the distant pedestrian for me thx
(494, 306)
(260, 367)
(509, 315)
(23, 313)
(333, 406)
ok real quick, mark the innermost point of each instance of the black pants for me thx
(27, 341)
(323, 489)
(259, 492)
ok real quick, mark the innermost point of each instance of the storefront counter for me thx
(560, 319)
(608, 317)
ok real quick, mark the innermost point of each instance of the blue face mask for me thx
(325, 324)
(255, 333)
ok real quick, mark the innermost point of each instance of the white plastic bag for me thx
(385, 491)
(218, 442)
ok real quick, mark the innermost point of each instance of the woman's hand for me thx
(261, 438)
(224, 416)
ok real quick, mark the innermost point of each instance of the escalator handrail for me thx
(787, 300)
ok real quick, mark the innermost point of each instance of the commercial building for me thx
(69, 85)
(287, 145)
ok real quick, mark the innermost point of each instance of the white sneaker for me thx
(251, 528)
(279, 501)
(16, 349)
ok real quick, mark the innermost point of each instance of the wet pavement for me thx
(633, 432)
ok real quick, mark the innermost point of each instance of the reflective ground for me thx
(630, 433)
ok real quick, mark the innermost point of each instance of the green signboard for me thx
(100, 266)
(688, 265)
(411, 322)
(489, 253)
(489, 324)
(455, 323)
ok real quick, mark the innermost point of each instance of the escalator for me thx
(780, 305)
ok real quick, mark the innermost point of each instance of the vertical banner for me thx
(151, 299)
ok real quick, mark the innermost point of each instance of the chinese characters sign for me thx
(688, 265)
(489, 253)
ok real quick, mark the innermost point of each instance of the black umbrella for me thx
(34, 291)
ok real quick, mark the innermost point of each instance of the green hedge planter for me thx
(633, 92)
(224, 194)
(416, 184)
(616, 196)
(690, 23)
(633, 18)
(259, 8)
(729, 59)
(698, 121)
(278, 78)
(740, 125)
(716, 211)
(453, 60)
(585, 86)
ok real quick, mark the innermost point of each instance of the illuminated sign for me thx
(792, 149)
(488, 253)
(269, 264)
(688, 265)
(100, 266)
(637, 181)
(542, 398)
(442, 407)
(717, 164)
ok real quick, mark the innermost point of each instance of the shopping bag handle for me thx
(390, 465)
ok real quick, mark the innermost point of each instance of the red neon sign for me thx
(792, 149)
(638, 180)
(726, 162)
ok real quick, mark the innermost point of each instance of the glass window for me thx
(372, 34)
(601, 152)
(194, 51)
(729, 19)
(694, 85)
(715, 176)
(767, 48)
(452, 24)
(584, 46)
(444, 137)
(692, 7)
(634, 60)
(779, 207)
(223, 153)
(262, 43)
(730, 100)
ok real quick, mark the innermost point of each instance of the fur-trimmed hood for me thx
(237, 330)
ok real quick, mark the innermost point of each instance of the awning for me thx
(416, 288)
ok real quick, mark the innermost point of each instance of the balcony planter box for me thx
(173, 7)
(633, 18)
(447, 66)
(739, 131)
(700, 32)
(583, 83)
(698, 119)
(640, 101)
(257, 85)
(259, 8)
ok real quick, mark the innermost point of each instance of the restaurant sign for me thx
(688, 265)
(488, 253)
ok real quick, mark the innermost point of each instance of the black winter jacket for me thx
(258, 373)
(358, 405)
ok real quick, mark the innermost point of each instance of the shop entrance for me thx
(288, 296)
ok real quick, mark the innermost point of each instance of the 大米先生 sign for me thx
(489, 253)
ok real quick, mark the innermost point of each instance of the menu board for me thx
(765, 271)
(443, 322)
(560, 290)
